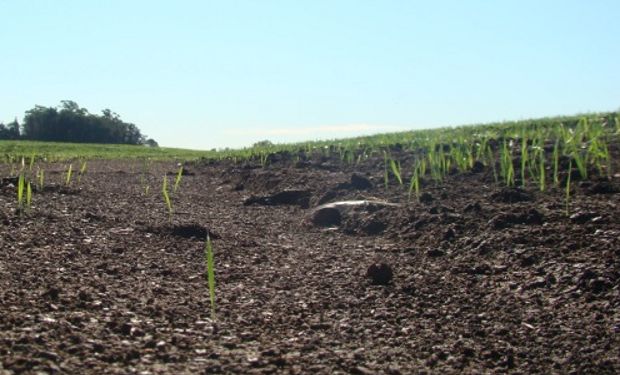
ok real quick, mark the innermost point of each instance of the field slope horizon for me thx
(12, 150)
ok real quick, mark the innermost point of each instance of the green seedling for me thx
(541, 179)
(395, 167)
(41, 177)
(28, 196)
(556, 163)
(414, 184)
(82, 171)
(570, 168)
(263, 159)
(177, 180)
(581, 163)
(164, 191)
(210, 274)
(20, 192)
(524, 159)
(506, 168)
(31, 164)
(385, 170)
(68, 175)
(143, 180)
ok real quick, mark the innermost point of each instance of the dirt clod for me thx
(380, 273)
(326, 217)
(360, 182)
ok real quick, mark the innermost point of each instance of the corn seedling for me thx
(41, 178)
(414, 184)
(31, 164)
(82, 171)
(210, 274)
(506, 168)
(580, 162)
(437, 163)
(28, 196)
(541, 178)
(395, 167)
(164, 191)
(177, 180)
(68, 175)
(556, 162)
(570, 168)
(524, 157)
(20, 192)
(143, 180)
(385, 170)
(263, 158)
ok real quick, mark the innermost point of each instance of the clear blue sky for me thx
(205, 74)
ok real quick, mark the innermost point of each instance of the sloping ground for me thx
(95, 279)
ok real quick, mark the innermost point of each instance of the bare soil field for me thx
(473, 277)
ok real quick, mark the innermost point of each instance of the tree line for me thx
(71, 123)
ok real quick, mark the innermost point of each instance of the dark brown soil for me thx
(473, 278)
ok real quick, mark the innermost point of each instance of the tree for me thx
(13, 128)
(71, 123)
(151, 143)
(263, 144)
(10, 131)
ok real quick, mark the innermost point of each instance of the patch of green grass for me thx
(60, 151)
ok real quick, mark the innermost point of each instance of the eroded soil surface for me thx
(472, 278)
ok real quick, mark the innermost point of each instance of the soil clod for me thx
(511, 195)
(380, 273)
(326, 217)
(360, 182)
(299, 198)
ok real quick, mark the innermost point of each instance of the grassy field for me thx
(56, 151)
(471, 140)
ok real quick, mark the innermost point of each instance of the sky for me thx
(213, 74)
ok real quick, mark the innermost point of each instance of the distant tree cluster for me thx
(10, 131)
(71, 123)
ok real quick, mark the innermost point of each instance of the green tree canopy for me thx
(71, 123)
